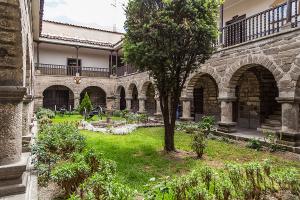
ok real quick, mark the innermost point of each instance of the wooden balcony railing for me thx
(261, 24)
(50, 69)
(125, 70)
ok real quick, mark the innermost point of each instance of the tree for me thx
(170, 38)
(85, 105)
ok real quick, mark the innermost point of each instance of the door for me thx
(72, 67)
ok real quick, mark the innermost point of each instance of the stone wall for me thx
(43, 82)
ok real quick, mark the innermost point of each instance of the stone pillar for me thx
(76, 102)
(26, 115)
(142, 105)
(11, 104)
(289, 134)
(186, 109)
(226, 124)
(117, 102)
(158, 108)
(110, 103)
(128, 103)
(38, 102)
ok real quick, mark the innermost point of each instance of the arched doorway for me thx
(57, 97)
(96, 94)
(150, 103)
(134, 95)
(205, 98)
(122, 96)
(256, 91)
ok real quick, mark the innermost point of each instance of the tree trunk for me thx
(169, 138)
(169, 129)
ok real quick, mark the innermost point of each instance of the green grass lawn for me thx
(139, 155)
(75, 118)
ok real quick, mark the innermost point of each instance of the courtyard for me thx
(139, 155)
(150, 100)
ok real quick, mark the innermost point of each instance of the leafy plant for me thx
(43, 112)
(235, 181)
(199, 142)
(85, 106)
(69, 175)
(255, 144)
(54, 143)
(271, 140)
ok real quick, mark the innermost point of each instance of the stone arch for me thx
(255, 87)
(203, 91)
(57, 97)
(133, 95)
(96, 94)
(242, 65)
(148, 92)
(206, 69)
(121, 97)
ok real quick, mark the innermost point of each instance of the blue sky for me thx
(94, 13)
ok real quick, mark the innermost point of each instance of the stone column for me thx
(38, 102)
(226, 124)
(142, 105)
(110, 103)
(289, 134)
(117, 102)
(158, 108)
(186, 109)
(128, 103)
(76, 102)
(11, 104)
(26, 116)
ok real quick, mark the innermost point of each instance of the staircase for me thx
(273, 121)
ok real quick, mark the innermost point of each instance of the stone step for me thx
(13, 189)
(277, 112)
(273, 122)
(273, 128)
(13, 177)
(26, 138)
(276, 117)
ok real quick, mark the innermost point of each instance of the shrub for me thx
(206, 124)
(44, 121)
(199, 142)
(85, 105)
(69, 175)
(54, 143)
(43, 112)
(254, 144)
(271, 140)
(235, 181)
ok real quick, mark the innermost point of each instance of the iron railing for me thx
(125, 70)
(51, 69)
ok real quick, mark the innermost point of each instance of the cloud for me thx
(54, 3)
(96, 13)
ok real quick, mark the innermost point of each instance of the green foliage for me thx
(255, 144)
(85, 105)
(271, 140)
(54, 143)
(235, 181)
(206, 124)
(170, 39)
(135, 117)
(199, 142)
(69, 175)
(43, 112)
(44, 121)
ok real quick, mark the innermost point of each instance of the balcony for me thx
(125, 70)
(268, 22)
(64, 70)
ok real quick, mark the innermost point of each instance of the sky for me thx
(93, 13)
